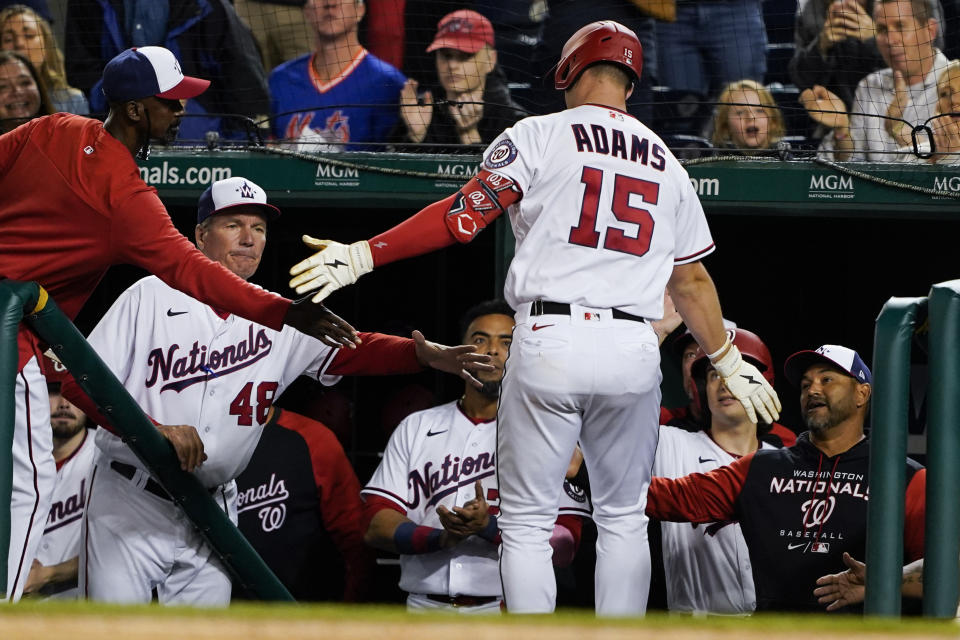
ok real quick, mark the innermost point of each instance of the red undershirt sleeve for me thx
(699, 497)
(914, 516)
(379, 355)
(423, 232)
(374, 504)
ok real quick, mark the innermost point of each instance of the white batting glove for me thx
(747, 384)
(332, 267)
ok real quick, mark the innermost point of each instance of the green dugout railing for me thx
(895, 328)
(30, 303)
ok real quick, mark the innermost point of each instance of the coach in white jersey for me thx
(434, 497)
(54, 570)
(186, 363)
(604, 218)
(707, 567)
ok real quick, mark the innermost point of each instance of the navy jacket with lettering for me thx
(296, 496)
(799, 511)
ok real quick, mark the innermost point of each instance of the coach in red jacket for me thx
(801, 507)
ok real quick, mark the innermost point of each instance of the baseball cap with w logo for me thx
(142, 72)
(843, 358)
(234, 192)
(463, 30)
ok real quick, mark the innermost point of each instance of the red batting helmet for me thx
(602, 41)
(751, 348)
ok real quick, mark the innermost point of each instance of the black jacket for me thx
(499, 112)
(799, 511)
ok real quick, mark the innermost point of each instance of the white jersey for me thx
(707, 566)
(61, 536)
(435, 457)
(607, 211)
(190, 365)
(872, 99)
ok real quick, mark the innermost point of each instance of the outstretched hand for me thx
(461, 360)
(319, 322)
(845, 588)
(333, 266)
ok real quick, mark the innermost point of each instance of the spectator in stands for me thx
(298, 503)
(707, 568)
(712, 44)
(945, 125)
(801, 508)
(24, 31)
(358, 94)
(208, 38)
(906, 31)
(747, 120)
(476, 104)
(279, 26)
(22, 94)
(836, 45)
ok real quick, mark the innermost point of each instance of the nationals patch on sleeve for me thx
(501, 155)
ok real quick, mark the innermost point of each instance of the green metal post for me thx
(942, 545)
(888, 449)
(156, 452)
(14, 296)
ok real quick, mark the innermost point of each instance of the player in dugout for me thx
(441, 517)
(73, 205)
(803, 507)
(216, 375)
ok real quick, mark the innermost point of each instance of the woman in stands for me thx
(22, 94)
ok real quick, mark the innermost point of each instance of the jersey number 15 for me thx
(585, 233)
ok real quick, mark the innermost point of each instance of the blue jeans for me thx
(712, 43)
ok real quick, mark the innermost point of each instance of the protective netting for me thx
(834, 80)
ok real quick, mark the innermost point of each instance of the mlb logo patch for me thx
(591, 316)
(820, 547)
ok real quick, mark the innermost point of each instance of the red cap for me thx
(463, 30)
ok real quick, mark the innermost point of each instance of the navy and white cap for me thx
(142, 72)
(234, 192)
(847, 360)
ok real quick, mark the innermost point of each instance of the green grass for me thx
(765, 623)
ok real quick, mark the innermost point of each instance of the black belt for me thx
(462, 601)
(542, 308)
(128, 471)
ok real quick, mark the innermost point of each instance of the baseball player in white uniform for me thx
(186, 363)
(54, 570)
(435, 497)
(707, 567)
(604, 218)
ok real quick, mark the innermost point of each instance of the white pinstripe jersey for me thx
(707, 566)
(607, 211)
(186, 364)
(434, 457)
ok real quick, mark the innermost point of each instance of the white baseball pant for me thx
(34, 475)
(590, 378)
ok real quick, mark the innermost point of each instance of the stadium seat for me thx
(679, 112)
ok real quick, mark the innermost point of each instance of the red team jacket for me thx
(73, 204)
